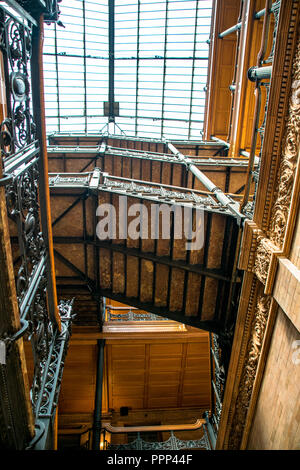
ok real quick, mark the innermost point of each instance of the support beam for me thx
(38, 103)
(98, 396)
(127, 251)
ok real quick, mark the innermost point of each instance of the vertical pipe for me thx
(98, 396)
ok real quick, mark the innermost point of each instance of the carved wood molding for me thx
(244, 371)
(250, 290)
(266, 261)
(265, 237)
(262, 259)
(248, 375)
(249, 245)
(259, 255)
(289, 159)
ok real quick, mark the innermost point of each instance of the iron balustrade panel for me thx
(18, 129)
(24, 181)
(20, 155)
(130, 315)
(173, 443)
(47, 391)
(218, 378)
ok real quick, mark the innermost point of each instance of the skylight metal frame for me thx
(143, 69)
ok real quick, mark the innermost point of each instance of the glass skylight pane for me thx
(166, 81)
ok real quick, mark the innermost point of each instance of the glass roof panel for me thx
(159, 58)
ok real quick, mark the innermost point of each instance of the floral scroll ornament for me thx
(289, 159)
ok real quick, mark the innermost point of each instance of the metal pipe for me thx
(259, 73)
(261, 13)
(220, 141)
(220, 196)
(98, 396)
(228, 31)
(243, 153)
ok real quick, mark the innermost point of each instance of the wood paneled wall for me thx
(155, 373)
(221, 70)
(142, 371)
(261, 401)
(276, 424)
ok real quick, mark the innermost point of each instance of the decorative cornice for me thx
(263, 257)
(288, 164)
(258, 255)
(264, 239)
(249, 245)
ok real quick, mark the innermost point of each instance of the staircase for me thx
(160, 275)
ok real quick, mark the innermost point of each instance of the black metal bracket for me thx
(39, 432)
(8, 340)
(6, 179)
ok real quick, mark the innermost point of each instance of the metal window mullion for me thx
(164, 72)
(84, 66)
(193, 67)
(111, 54)
(57, 82)
(137, 66)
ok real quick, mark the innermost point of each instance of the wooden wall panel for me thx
(276, 423)
(155, 373)
(295, 248)
(221, 70)
(79, 379)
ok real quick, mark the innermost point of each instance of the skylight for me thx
(160, 67)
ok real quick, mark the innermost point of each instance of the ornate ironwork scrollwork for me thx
(23, 208)
(18, 130)
(48, 377)
(22, 181)
(173, 443)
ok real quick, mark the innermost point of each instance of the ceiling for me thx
(150, 57)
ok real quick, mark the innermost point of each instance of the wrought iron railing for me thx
(173, 443)
(20, 146)
(119, 314)
(144, 440)
(217, 380)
